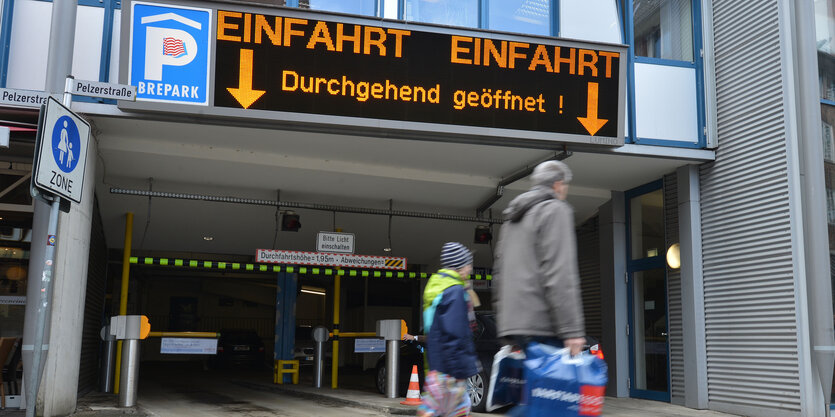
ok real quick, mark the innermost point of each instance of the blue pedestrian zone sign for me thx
(170, 53)
(65, 144)
(62, 155)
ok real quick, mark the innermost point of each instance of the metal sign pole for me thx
(46, 289)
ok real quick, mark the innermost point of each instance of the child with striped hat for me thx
(447, 319)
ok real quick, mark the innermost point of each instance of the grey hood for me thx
(521, 204)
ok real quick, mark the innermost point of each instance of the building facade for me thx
(700, 134)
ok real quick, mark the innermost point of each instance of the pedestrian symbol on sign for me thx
(66, 144)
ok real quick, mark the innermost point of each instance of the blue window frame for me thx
(106, 47)
(5, 39)
(649, 351)
(660, 55)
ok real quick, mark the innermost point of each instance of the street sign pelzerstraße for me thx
(61, 159)
(312, 65)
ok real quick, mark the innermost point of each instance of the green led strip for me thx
(192, 263)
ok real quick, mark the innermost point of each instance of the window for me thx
(363, 7)
(444, 12)
(663, 29)
(647, 225)
(603, 25)
(825, 44)
(521, 16)
(825, 36)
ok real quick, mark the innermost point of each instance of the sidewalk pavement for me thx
(361, 394)
(94, 404)
(105, 405)
(620, 407)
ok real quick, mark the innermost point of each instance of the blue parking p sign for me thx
(170, 53)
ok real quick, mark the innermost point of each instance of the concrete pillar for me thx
(614, 294)
(692, 288)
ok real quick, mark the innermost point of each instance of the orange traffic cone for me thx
(413, 396)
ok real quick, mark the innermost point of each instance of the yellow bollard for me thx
(123, 300)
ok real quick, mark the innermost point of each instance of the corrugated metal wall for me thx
(88, 373)
(588, 256)
(675, 325)
(750, 310)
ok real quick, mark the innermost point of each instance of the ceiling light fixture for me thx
(208, 238)
(313, 290)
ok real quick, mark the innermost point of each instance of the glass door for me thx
(649, 335)
(649, 356)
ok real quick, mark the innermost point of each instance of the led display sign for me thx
(284, 64)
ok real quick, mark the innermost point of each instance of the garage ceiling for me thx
(323, 168)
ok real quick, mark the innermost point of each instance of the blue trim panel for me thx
(5, 40)
(827, 102)
(483, 14)
(555, 18)
(292, 3)
(671, 143)
(88, 3)
(629, 36)
(106, 41)
(698, 45)
(667, 62)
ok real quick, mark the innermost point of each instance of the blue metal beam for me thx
(5, 39)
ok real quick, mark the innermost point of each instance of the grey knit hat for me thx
(455, 256)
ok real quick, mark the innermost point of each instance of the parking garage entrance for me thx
(266, 312)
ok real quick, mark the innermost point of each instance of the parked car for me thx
(239, 347)
(486, 344)
(304, 346)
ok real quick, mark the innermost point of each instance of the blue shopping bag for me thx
(561, 385)
(507, 378)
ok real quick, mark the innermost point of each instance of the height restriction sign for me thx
(62, 155)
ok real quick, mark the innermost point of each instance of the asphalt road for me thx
(177, 391)
(207, 394)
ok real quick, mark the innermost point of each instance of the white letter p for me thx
(155, 50)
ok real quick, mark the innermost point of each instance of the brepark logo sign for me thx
(281, 64)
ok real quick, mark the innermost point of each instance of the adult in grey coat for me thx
(536, 285)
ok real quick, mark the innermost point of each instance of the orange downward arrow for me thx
(591, 122)
(244, 93)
